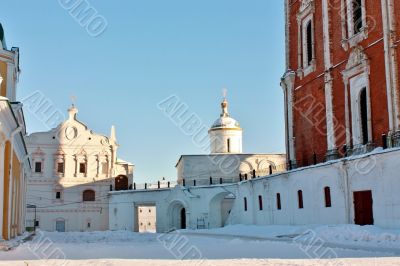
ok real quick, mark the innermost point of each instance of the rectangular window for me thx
(37, 223)
(82, 168)
(58, 195)
(245, 204)
(328, 201)
(104, 167)
(278, 201)
(38, 167)
(60, 168)
(300, 198)
(260, 203)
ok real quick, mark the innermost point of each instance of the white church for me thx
(74, 169)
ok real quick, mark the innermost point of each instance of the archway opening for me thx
(220, 208)
(121, 183)
(177, 216)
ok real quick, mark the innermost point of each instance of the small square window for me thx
(38, 167)
(82, 168)
(58, 195)
(60, 168)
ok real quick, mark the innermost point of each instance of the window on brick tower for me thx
(309, 43)
(357, 16)
(364, 116)
(58, 195)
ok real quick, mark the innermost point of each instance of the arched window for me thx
(278, 201)
(300, 199)
(357, 16)
(260, 203)
(327, 192)
(309, 42)
(364, 116)
(121, 183)
(89, 195)
(245, 204)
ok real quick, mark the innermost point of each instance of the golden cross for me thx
(224, 92)
(73, 99)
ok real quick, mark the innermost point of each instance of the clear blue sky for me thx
(150, 50)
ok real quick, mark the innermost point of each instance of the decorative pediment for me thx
(305, 4)
(103, 155)
(81, 154)
(59, 153)
(307, 7)
(38, 153)
(357, 57)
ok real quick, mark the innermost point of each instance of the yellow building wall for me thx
(6, 201)
(3, 72)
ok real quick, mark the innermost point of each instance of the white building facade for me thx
(73, 171)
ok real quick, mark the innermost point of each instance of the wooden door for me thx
(363, 208)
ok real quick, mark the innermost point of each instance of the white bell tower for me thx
(225, 134)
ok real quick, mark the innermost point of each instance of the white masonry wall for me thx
(377, 172)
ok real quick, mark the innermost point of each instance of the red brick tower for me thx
(341, 86)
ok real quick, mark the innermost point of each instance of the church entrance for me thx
(363, 208)
(177, 216)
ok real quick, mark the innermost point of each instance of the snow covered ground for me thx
(233, 245)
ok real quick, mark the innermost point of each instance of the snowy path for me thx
(230, 246)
